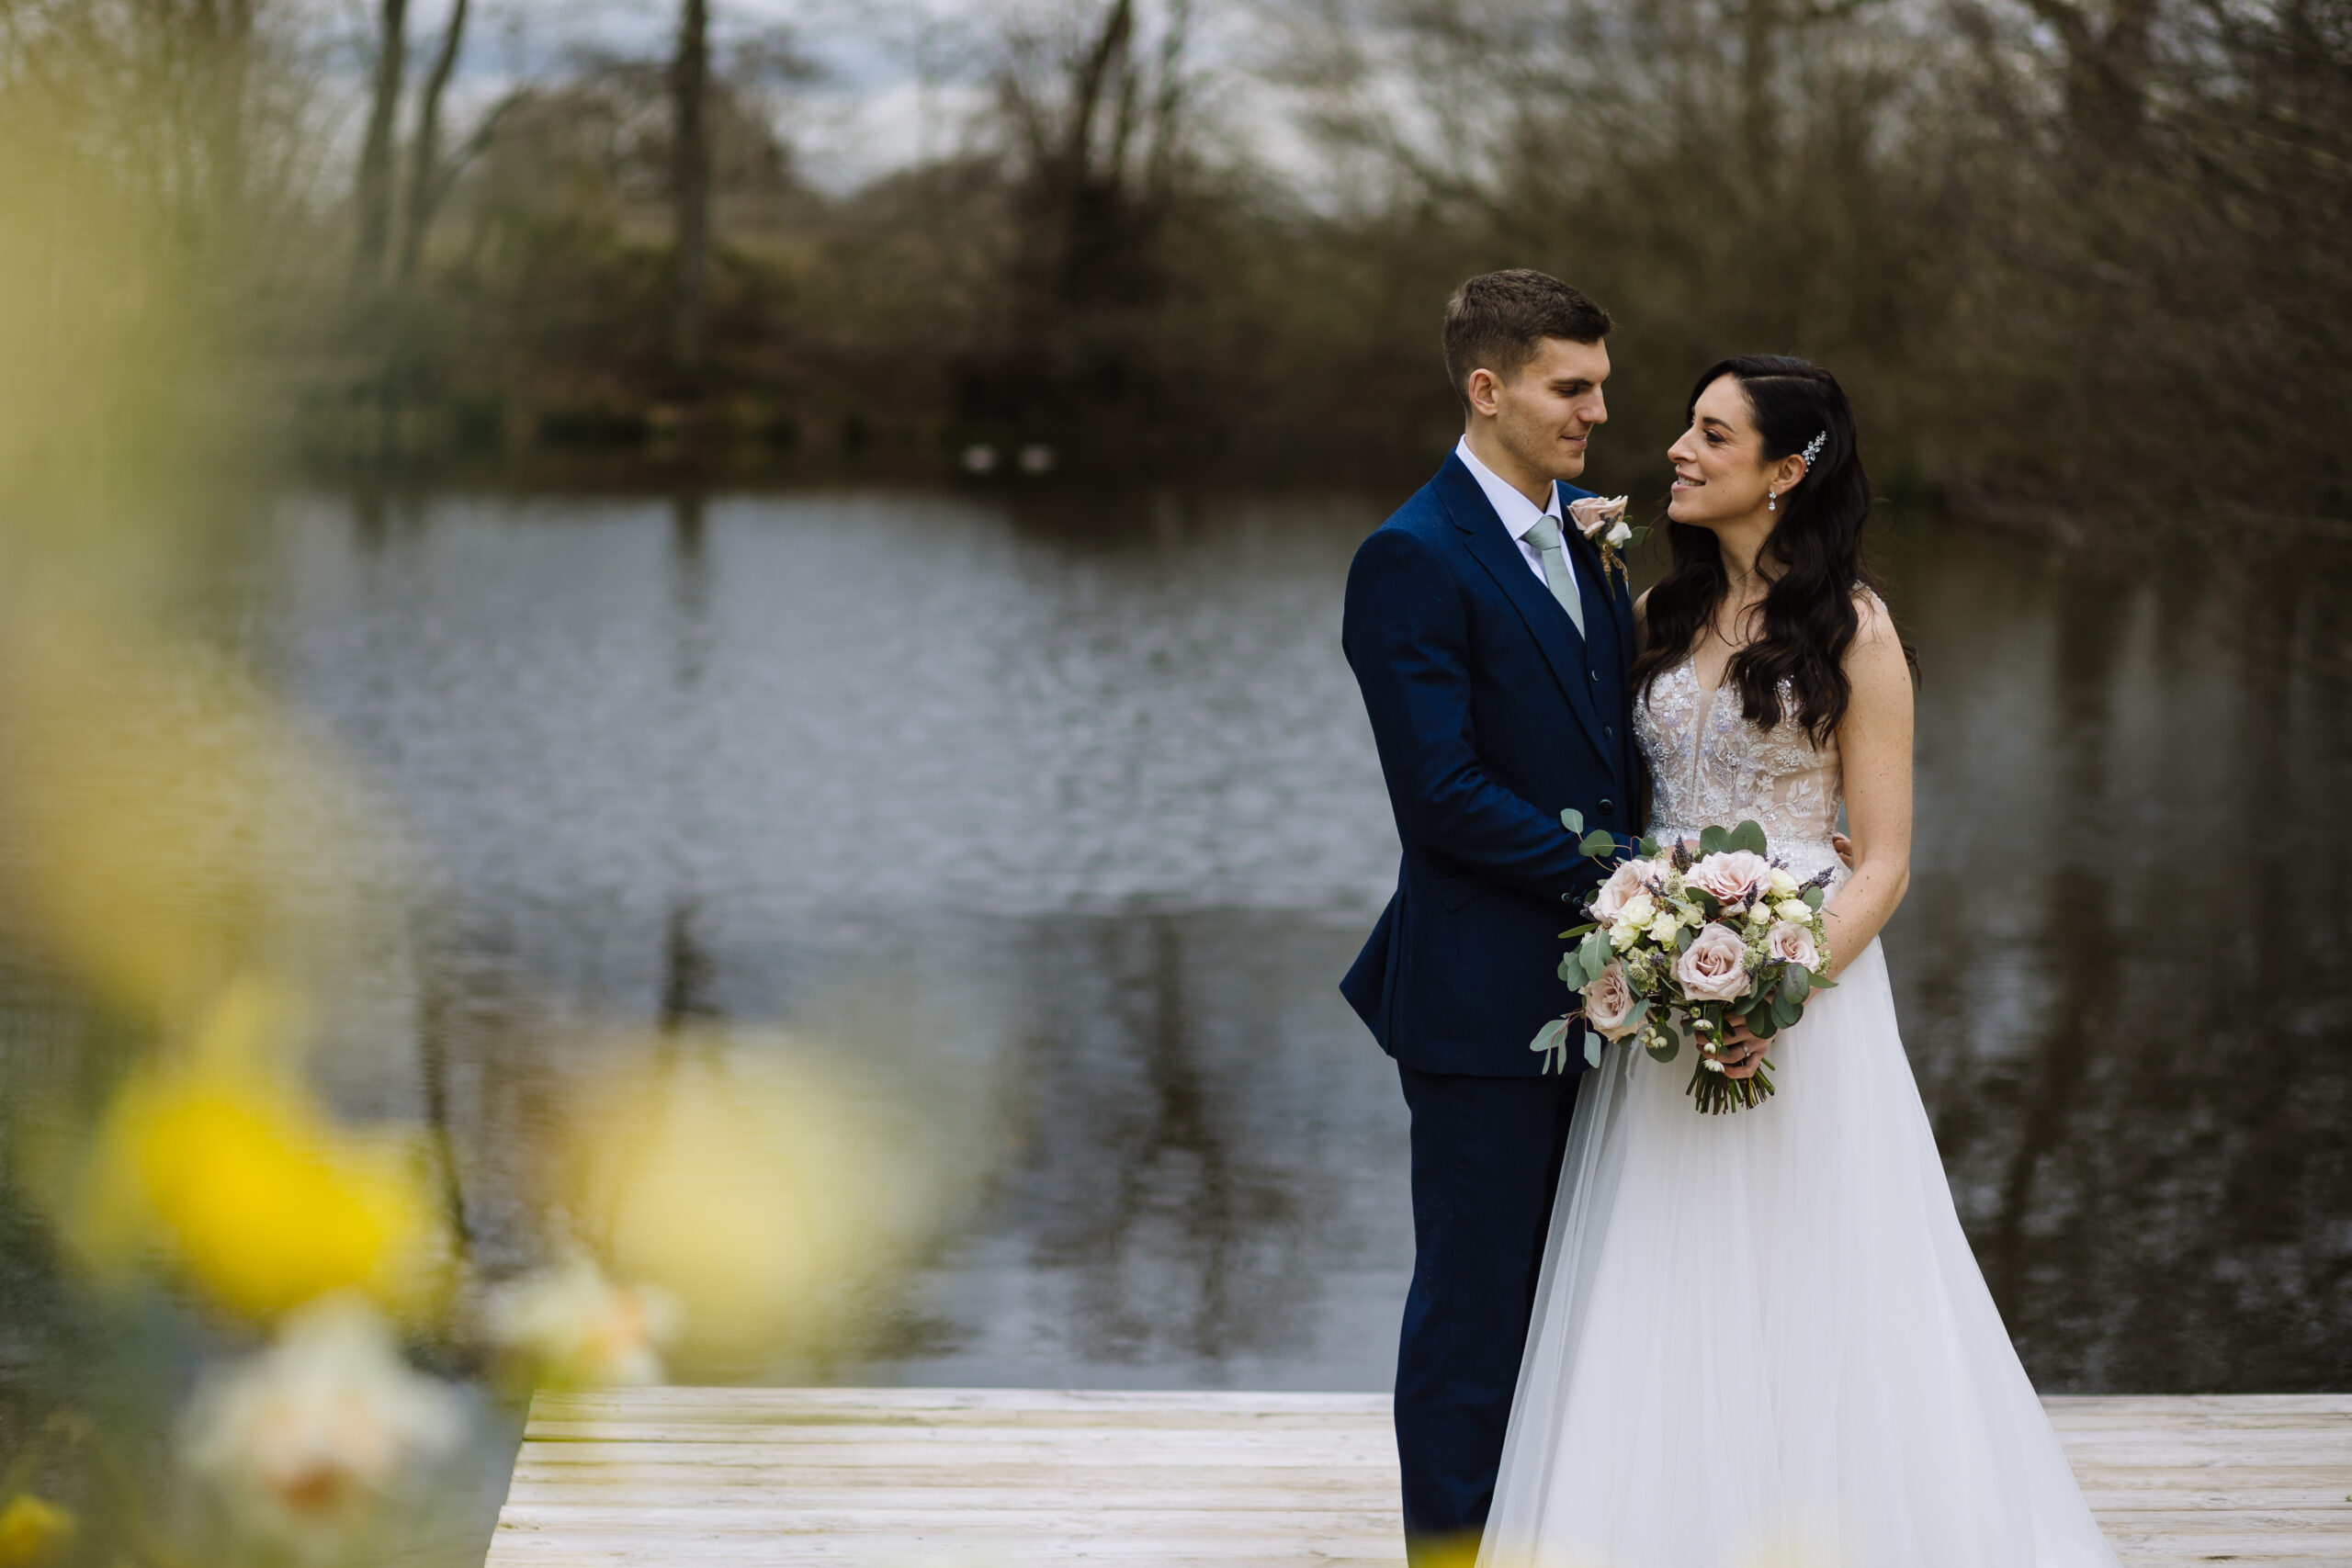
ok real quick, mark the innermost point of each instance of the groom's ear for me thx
(1481, 390)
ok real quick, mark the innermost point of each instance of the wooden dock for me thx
(681, 1477)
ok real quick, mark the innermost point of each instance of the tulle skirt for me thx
(1761, 1340)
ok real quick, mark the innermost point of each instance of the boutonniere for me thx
(1603, 521)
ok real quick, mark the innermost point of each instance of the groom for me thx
(1492, 650)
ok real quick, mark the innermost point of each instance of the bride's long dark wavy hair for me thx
(1814, 556)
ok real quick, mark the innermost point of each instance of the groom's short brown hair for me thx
(1495, 321)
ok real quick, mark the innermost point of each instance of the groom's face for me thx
(1546, 413)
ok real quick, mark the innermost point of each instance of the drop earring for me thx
(1771, 502)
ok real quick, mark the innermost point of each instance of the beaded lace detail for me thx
(1708, 766)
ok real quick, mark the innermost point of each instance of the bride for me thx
(1761, 1340)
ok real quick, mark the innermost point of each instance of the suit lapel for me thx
(1491, 545)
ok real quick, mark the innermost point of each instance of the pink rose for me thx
(1713, 968)
(1622, 883)
(1609, 1002)
(1794, 943)
(1733, 876)
(1594, 515)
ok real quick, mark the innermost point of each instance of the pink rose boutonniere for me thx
(1601, 519)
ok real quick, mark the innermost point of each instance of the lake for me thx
(1056, 809)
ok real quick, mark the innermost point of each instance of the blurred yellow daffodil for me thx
(32, 1531)
(168, 824)
(754, 1180)
(220, 1164)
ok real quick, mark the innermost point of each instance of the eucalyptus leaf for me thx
(1784, 1011)
(1638, 538)
(1713, 840)
(1666, 1052)
(1595, 955)
(1641, 1010)
(1572, 970)
(1812, 897)
(1796, 982)
(1597, 844)
(1573, 931)
(1684, 937)
(1646, 848)
(1748, 836)
(1572, 819)
(1592, 1049)
(1763, 1025)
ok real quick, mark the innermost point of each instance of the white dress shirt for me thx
(1518, 513)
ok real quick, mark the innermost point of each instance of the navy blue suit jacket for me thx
(1491, 714)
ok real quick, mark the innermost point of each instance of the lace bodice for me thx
(1708, 766)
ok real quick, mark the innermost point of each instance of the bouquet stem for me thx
(1718, 1093)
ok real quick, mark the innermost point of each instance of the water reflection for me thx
(1067, 825)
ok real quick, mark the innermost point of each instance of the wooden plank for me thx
(688, 1477)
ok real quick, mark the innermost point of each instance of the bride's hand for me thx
(1742, 1053)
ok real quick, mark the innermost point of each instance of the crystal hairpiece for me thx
(1812, 448)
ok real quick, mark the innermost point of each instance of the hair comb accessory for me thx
(1812, 448)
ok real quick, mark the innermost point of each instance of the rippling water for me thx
(1064, 810)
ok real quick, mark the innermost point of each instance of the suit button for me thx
(1608, 807)
(1596, 677)
(1568, 898)
(1607, 733)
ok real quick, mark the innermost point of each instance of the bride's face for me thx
(1720, 474)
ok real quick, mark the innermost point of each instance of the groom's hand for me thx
(1742, 1053)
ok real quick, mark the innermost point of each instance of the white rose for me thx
(1620, 532)
(1796, 910)
(1783, 886)
(1624, 885)
(1714, 968)
(1638, 911)
(1662, 929)
(1760, 914)
(1792, 942)
(1609, 1001)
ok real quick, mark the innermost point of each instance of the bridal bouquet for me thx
(1680, 944)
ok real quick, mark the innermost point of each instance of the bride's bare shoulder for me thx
(1876, 659)
(1877, 621)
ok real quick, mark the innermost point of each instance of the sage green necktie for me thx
(1546, 534)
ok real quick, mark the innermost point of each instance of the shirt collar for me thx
(1518, 513)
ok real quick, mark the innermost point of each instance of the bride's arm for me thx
(1875, 746)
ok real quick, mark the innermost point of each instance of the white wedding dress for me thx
(1760, 1339)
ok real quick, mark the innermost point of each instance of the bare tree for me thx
(1098, 124)
(2110, 54)
(427, 179)
(374, 191)
(690, 96)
